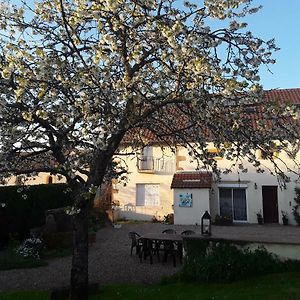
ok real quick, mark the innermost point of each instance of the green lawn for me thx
(271, 287)
(283, 286)
(25, 296)
(10, 260)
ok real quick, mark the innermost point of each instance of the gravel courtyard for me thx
(110, 260)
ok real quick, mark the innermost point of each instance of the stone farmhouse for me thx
(162, 182)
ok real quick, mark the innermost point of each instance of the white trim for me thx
(233, 185)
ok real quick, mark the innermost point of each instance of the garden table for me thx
(152, 241)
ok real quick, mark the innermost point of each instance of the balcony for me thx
(145, 164)
(150, 164)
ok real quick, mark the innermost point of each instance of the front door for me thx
(270, 204)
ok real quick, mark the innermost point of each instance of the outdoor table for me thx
(149, 239)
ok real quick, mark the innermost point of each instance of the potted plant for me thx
(225, 220)
(260, 218)
(285, 219)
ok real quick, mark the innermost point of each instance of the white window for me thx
(146, 160)
(147, 195)
(233, 203)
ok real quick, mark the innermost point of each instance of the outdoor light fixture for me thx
(255, 185)
(206, 224)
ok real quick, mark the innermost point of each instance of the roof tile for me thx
(194, 180)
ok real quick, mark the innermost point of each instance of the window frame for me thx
(233, 187)
(144, 205)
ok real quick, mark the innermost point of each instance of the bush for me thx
(208, 261)
(10, 259)
(14, 261)
(31, 247)
(25, 205)
(169, 219)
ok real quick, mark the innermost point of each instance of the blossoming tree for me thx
(78, 76)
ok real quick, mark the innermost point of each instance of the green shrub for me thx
(169, 219)
(25, 205)
(224, 262)
(31, 247)
(11, 260)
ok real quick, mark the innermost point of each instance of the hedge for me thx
(213, 261)
(25, 205)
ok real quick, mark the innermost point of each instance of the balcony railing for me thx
(150, 164)
(145, 164)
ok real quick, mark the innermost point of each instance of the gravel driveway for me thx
(110, 260)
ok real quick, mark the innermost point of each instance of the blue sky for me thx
(280, 20)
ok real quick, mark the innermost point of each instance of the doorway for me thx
(270, 204)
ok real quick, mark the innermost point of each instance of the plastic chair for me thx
(188, 232)
(169, 231)
(135, 242)
(170, 248)
(179, 247)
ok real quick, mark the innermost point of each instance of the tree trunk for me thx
(79, 272)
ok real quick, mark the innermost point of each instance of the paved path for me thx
(110, 261)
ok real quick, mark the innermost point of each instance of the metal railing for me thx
(145, 163)
(153, 164)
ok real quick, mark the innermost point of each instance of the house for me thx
(162, 181)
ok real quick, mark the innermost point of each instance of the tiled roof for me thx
(284, 96)
(144, 135)
(281, 97)
(192, 180)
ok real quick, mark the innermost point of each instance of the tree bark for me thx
(79, 272)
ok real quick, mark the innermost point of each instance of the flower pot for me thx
(260, 220)
(285, 221)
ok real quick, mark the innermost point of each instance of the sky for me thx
(279, 19)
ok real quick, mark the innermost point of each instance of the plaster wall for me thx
(283, 251)
(40, 178)
(127, 196)
(251, 181)
(191, 215)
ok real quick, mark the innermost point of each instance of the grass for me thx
(57, 252)
(283, 286)
(271, 287)
(10, 260)
(25, 296)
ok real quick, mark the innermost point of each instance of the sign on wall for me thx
(186, 200)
